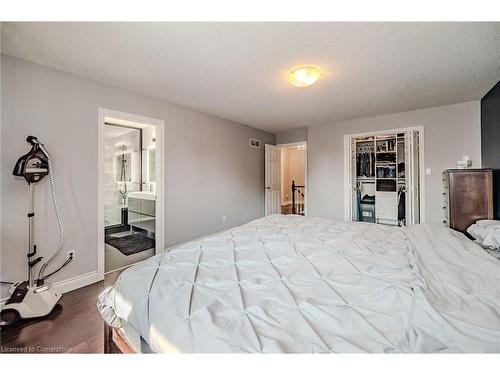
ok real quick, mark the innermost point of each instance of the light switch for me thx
(428, 171)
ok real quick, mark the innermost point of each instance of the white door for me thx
(412, 177)
(273, 180)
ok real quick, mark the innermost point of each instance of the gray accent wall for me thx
(292, 136)
(210, 169)
(490, 128)
(450, 131)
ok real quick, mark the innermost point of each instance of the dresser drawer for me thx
(467, 197)
(386, 205)
(446, 183)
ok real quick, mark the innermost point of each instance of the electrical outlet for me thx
(70, 253)
(224, 218)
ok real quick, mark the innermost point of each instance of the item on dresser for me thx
(486, 232)
(467, 197)
(466, 162)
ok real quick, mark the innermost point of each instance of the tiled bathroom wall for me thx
(119, 141)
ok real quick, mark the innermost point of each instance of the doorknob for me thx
(268, 187)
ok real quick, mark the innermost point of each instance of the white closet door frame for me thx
(349, 167)
(412, 149)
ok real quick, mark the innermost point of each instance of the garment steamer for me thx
(35, 297)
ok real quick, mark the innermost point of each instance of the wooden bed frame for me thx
(115, 341)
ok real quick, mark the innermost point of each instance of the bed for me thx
(294, 284)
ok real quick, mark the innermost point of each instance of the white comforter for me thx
(297, 284)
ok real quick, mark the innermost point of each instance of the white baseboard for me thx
(76, 282)
(70, 284)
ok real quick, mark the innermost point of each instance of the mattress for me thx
(294, 284)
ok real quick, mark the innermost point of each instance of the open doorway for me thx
(131, 190)
(286, 179)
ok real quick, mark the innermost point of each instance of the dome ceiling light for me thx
(304, 76)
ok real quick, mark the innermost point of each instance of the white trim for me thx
(421, 156)
(70, 284)
(160, 183)
(292, 144)
(347, 177)
(76, 282)
(304, 143)
(348, 167)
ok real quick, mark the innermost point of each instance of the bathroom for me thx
(129, 193)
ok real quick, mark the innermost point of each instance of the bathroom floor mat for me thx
(131, 244)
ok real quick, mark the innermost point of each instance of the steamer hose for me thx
(58, 217)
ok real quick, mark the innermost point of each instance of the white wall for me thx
(450, 131)
(210, 169)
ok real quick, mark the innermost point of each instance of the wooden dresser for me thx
(468, 197)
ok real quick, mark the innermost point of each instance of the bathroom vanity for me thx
(141, 211)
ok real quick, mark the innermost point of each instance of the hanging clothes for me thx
(365, 162)
(401, 205)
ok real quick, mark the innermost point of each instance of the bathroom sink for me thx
(142, 195)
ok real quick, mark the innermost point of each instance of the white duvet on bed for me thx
(297, 284)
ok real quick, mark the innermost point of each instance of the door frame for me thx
(266, 193)
(348, 167)
(160, 217)
(304, 143)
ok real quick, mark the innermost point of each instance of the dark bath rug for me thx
(131, 244)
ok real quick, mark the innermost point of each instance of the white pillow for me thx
(486, 232)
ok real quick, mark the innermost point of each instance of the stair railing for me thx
(297, 199)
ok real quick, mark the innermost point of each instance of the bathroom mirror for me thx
(123, 167)
(151, 164)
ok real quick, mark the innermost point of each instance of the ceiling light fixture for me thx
(304, 76)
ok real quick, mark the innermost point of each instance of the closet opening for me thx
(384, 177)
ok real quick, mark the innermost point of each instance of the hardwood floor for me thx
(74, 326)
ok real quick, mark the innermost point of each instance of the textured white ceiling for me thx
(237, 70)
